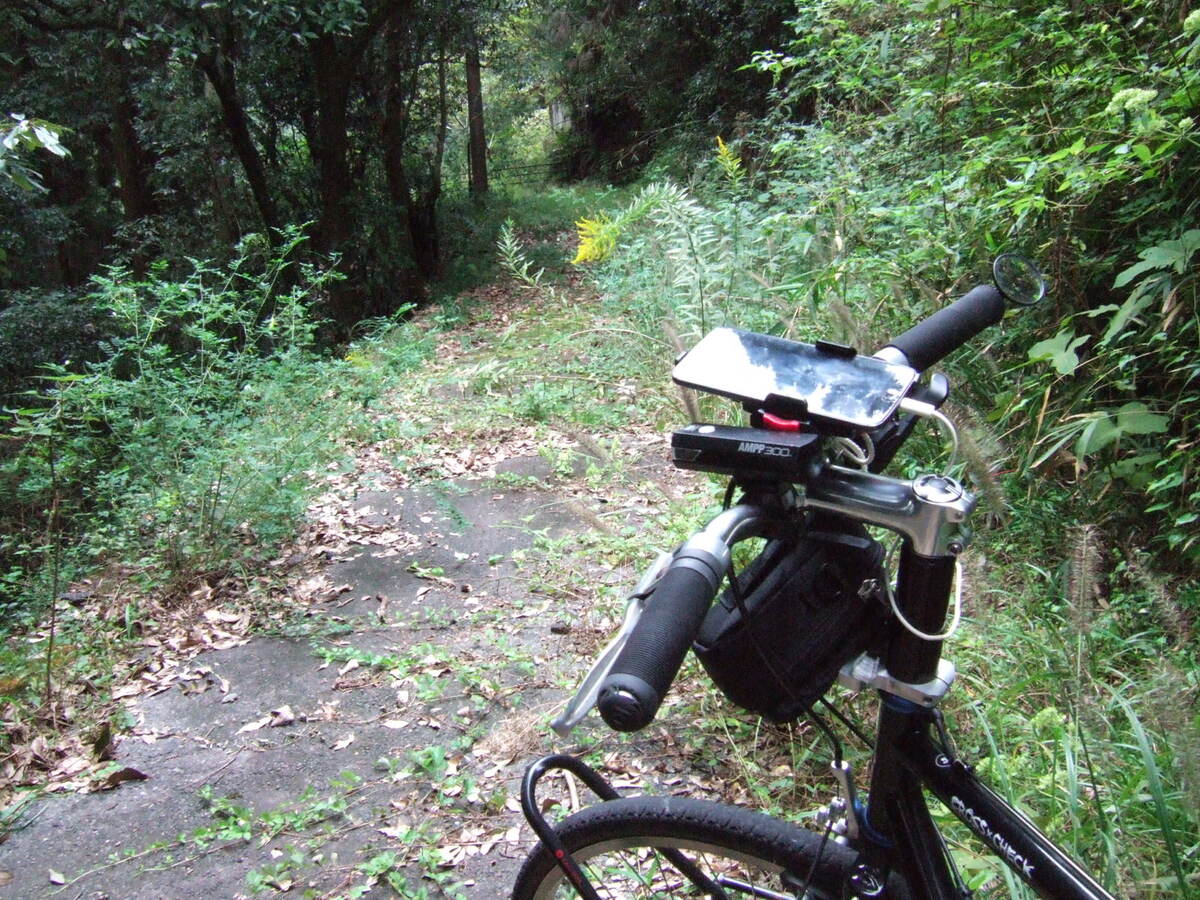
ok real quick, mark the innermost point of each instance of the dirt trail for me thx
(372, 745)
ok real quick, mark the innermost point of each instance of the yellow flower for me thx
(597, 238)
(729, 161)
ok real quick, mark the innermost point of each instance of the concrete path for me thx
(372, 748)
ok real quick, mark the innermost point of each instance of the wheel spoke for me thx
(643, 873)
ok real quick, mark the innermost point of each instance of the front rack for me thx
(602, 789)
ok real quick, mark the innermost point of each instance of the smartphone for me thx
(812, 382)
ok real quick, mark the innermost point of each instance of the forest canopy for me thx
(193, 124)
(894, 145)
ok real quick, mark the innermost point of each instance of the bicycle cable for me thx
(739, 601)
(841, 717)
(954, 621)
(923, 410)
(812, 870)
(860, 454)
(729, 494)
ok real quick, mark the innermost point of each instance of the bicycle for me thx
(814, 607)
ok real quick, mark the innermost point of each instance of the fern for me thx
(513, 259)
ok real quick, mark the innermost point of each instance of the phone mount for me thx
(827, 387)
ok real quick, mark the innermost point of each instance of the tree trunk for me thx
(419, 205)
(426, 243)
(334, 61)
(130, 159)
(477, 145)
(218, 69)
(333, 69)
(395, 124)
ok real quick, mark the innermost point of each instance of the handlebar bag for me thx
(809, 604)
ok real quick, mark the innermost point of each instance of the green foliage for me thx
(187, 448)
(513, 258)
(23, 136)
(636, 75)
(912, 142)
(941, 133)
(40, 328)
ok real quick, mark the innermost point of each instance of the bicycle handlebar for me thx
(632, 692)
(634, 689)
(949, 328)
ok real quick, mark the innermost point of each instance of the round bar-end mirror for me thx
(1019, 279)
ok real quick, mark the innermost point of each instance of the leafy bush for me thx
(938, 134)
(43, 328)
(911, 143)
(185, 450)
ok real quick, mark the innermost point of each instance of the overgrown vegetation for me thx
(182, 457)
(903, 144)
(930, 146)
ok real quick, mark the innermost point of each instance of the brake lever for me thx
(589, 688)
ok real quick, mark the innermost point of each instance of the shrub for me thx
(186, 449)
(39, 328)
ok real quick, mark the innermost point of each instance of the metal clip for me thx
(845, 776)
(867, 671)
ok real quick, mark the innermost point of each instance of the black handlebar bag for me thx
(802, 609)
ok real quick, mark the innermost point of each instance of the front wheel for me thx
(745, 854)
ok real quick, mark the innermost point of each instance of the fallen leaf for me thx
(350, 666)
(126, 774)
(57, 877)
(72, 765)
(344, 742)
(255, 725)
(216, 615)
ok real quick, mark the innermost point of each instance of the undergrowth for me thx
(1080, 684)
(184, 456)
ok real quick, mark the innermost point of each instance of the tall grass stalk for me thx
(1157, 794)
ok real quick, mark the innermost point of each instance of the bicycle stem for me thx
(930, 511)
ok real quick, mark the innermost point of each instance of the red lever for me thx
(774, 423)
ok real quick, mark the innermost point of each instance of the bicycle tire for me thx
(613, 842)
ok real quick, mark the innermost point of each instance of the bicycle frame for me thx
(907, 760)
(894, 830)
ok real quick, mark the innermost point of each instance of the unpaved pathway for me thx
(372, 745)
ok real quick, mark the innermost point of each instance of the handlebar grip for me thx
(949, 328)
(634, 689)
